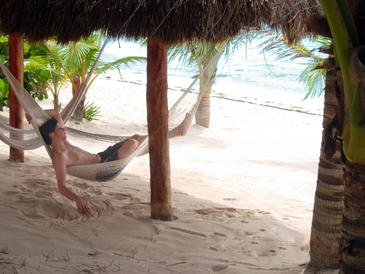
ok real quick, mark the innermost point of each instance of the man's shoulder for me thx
(60, 152)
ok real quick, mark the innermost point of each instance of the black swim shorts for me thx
(111, 153)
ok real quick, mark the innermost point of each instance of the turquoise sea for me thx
(248, 75)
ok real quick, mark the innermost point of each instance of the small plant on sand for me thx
(91, 111)
(4, 94)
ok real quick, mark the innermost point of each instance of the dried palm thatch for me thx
(170, 21)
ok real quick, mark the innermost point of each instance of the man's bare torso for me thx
(74, 155)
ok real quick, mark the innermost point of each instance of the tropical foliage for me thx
(315, 72)
(35, 77)
(91, 111)
(48, 66)
(77, 58)
(4, 86)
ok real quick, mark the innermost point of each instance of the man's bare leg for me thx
(139, 139)
(180, 130)
(127, 148)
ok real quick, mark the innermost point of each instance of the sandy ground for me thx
(242, 195)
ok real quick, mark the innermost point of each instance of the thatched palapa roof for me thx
(171, 21)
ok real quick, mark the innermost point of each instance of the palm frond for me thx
(324, 41)
(52, 53)
(232, 45)
(182, 52)
(34, 64)
(74, 54)
(313, 78)
(279, 46)
(314, 74)
(126, 61)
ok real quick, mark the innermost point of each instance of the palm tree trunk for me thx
(56, 99)
(328, 203)
(202, 115)
(79, 111)
(56, 103)
(352, 251)
(353, 240)
(347, 30)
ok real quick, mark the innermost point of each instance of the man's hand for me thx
(82, 206)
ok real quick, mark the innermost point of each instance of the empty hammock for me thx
(188, 102)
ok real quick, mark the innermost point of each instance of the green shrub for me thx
(91, 111)
(4, 94)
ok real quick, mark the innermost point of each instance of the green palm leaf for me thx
(314, 74)
(116, 64)
(74, 54)
(313, 78)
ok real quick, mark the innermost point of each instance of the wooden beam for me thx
(16, 66)
(157, 117)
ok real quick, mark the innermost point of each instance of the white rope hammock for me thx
(187, 103)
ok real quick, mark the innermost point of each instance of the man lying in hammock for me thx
(65, 154)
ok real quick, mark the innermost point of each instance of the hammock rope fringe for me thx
(188, 102)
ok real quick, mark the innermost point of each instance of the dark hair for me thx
(48, 127)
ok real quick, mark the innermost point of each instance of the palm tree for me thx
(73, 61)
(346, 35)
(326, 231)
(79, 58)
(206, 56)
(46, 63)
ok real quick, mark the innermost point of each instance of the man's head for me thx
(48, 127)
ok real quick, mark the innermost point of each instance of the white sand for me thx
(243, 195)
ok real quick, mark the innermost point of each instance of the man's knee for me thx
(138, 138)
(128, 148)
(131, 144)
(135, 137)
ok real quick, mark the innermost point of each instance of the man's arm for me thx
(55, 114)
(51, 112)
(59, 164)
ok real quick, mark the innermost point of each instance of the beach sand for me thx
(242, 195)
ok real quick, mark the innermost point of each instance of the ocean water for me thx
(248, 75)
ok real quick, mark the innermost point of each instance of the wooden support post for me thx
(16, 66)
(157, 116)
